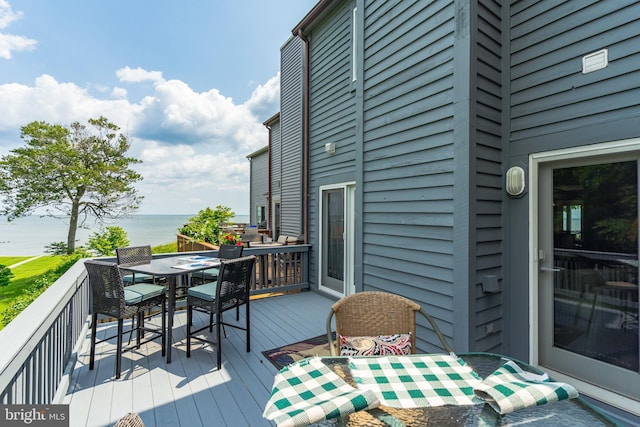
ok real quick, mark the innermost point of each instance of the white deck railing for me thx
(38, 346)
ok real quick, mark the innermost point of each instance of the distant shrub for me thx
(56, 248)
(205, 227)
(106, 241)
(5, 277)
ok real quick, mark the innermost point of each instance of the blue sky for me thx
(190, 82)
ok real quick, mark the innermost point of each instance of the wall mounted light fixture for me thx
(515, 183)
(330, 147)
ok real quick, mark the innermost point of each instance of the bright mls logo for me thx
(35, 415)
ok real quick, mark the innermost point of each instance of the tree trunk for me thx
(73, 227)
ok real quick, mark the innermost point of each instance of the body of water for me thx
(30, 235)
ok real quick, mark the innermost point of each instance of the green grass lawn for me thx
(10, 260)
(165, 249)
(25, 274)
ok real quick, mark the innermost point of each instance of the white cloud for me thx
(119, 93)
(193, 145)
(265, 99)
(137, 75)
(9, 42)
(176, 114)
(54, 102)
(7, 15)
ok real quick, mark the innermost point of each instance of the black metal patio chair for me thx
(231, 290)
(111, 298)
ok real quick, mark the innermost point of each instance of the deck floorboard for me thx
(191, 391)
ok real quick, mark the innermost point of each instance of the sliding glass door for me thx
(587, 228)
(336, 239)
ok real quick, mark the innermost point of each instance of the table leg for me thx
(170, 312)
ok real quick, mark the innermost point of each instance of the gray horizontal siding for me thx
(259, 184)
(276, 161)
(548, 40)
(332, 110)
(409, 162)
(487, 235)
(291, 98)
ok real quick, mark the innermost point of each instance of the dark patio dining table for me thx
(176, 270)
(569, 412)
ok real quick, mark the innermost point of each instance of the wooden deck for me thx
(191, 392)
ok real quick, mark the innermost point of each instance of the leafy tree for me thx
(71, 172)
(5, 277)
(108, 240)
(205, 226)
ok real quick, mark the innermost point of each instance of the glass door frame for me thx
(349, 237)
(597, 153)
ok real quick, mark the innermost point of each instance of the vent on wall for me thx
(595, 61)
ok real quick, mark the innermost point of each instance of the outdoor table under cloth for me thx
(422, 390)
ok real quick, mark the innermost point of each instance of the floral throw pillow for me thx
(380, 345)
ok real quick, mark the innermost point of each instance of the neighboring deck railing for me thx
(280, 268)
(39, 346)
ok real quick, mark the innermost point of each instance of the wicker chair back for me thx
(227, 251)
(377, 313)
(134, 255)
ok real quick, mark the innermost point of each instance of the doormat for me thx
(287, 354)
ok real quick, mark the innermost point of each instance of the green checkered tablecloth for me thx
(308, 391)
(417, 381)
(510, 388)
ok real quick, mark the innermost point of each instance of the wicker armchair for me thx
(230, 291)
(111, 298)
(134, 255)
(375, 314)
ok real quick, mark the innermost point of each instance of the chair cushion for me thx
(211, 274)
(139, 277)
(206, 292)
(380, 345)
(139, 292)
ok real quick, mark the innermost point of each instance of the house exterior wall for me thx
(553, 105)
(290, 179)
(428, 183)
(448, 95)
(259, 183)
(409, 160)
(332, 109)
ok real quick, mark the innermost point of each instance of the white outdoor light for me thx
(330, 147)
(515, 181)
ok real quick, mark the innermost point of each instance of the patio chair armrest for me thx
(332, 345)
(435, 328)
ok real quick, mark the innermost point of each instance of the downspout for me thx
(305, 135)
(269, 182)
